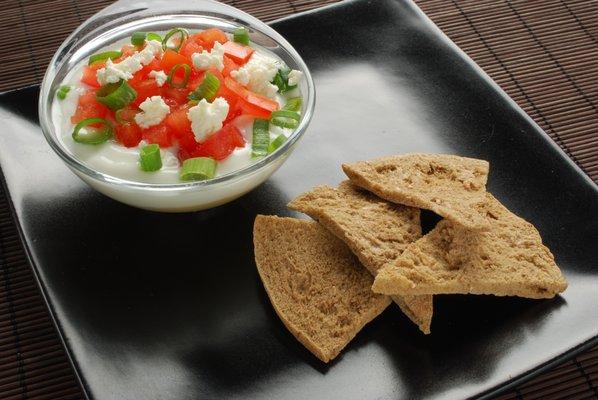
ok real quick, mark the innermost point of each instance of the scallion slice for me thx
(104, 56)
(276, 143)
(186, 71)
(138, 38)
(241, 35)
(153, 36)
(179, 41)
(285, 118)
(87, 134)
(293, 104)
(282, 80)
(261, 138)
(62, 92)
(198, 169)
(116, 95)
(149, 158)
(207, 89)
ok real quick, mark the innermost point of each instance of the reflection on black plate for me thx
(170, 306)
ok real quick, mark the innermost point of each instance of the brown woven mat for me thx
(543, 53)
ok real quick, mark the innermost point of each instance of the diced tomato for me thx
(221, 144)
(211, 36)
(195, 79)
(236, 87)
(160, 134)
(89, 107)
(178, 121)
(239, 53)
(229, 65)
(189, 48)
(145, 89)
(89, 74)
(127, 114)
(178, 96)
(257, 105)
(172, 58)
(128, 134)
(127, 50)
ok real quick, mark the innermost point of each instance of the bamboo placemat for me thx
(544, 54)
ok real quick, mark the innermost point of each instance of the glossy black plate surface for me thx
(159, 306)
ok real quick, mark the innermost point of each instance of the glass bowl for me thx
(119, 21)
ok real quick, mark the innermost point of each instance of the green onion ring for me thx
(184, 35)
(149, 158)
(62, 92)
(116, 95)
(241, 35)
(293, 104)
(187, 72)
(261, 138)
(138, 38)
(207, 89)
(285, 118)
(276, 143)
(198, 169)
(153, 36)
(96, 137)
(104, 56)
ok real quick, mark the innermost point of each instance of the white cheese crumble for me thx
(154, 111)
(295, 77)
(125, 69)
(206, 60)
(258, 74)
(159, 76)
(207, 118)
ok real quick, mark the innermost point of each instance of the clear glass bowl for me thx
(117, 22)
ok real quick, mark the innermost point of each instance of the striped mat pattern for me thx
(543, 53)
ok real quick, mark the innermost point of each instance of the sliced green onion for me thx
(207, 89)
(285, 118)
(116, 95)
(149, 158)
(261, 138)
(153, 36)
(138, 38)
(282, 80)
(293, 104)
(119, 117)
(84, 133)
(180, 31)
(187, 73)
(62, 92)
(241, 35)
(276, 143)
(198, 169)
(104, 56)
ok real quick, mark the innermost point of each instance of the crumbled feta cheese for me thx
(206, 60)
(258, 74)
(159, 76)
(295, 77)
(125, 69)
(151, 49)
(154, 111)
(207, 118)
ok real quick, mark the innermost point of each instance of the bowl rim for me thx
(47, 126)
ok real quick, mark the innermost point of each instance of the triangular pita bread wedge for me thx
(449, 185)
(508, 259)
(316, 285)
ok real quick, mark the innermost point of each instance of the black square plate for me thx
(159, 306)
